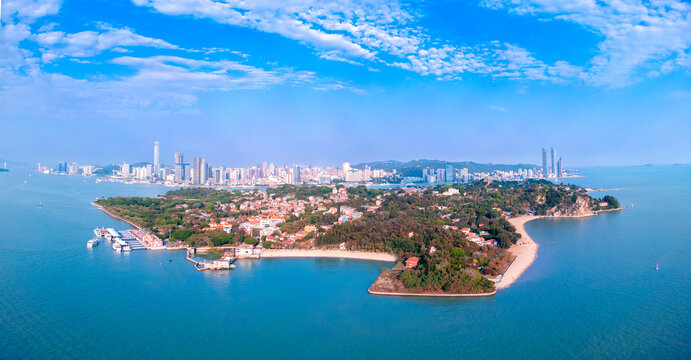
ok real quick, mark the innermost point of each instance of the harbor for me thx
(125, 240)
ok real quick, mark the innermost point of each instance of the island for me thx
(451, 240)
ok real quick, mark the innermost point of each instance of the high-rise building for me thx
(197, 170)
(450, 174)
(125, 169)
(545, 172)
(179, 167)
(554, 162)
(74, 169)
(346, 168)
(222, 175)
(560, 169)
(367, 174)
(441, 175)
(204, 178)
(297, 180)
(157, 162)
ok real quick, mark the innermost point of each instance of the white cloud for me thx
(56, 44)
(11, 55)
(267, 16)
(28, 10)
(497, 108)
(639, 36)
(159, 85)
(358, 31)
(185, 74)
(339, 85)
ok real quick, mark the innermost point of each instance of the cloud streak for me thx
(652, 36)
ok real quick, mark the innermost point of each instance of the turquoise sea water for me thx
(593, 291)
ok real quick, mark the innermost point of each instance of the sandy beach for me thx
(346, 254)
(525, 250)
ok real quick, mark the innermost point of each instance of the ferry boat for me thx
(99, 232)
(91, 243)
(121, 246)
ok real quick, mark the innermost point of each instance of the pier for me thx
(224, 263)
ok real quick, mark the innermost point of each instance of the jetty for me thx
(224, 263)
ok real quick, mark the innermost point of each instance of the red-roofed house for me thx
(411, 262)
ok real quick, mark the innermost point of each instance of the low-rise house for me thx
(411, 262)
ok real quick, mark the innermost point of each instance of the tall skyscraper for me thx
(179, 167)
(157, 162)
(197, 170)
(545, 172)
(297, 179)
(222, 175)
(560, 169)
(204, 178)
(441, 175)
(450, 174)
(554, 162)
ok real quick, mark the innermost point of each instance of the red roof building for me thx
(411, 262)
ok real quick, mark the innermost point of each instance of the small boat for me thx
(116, 247)
(91, 243)
(40, 204)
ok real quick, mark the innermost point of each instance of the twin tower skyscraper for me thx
(557, 169)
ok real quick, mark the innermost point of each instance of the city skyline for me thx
(203, 173)
(478, 80)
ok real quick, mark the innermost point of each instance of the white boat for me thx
(117, 247)
(91, 243)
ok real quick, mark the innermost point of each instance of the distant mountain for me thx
(414, 168)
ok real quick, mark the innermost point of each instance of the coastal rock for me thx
(581, 207)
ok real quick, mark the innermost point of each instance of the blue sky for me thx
(321, 82)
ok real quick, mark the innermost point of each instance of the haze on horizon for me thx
(323, 82)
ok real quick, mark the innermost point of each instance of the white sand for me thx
(525, 250)
(364, 255)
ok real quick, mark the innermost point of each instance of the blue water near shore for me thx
(593, 291)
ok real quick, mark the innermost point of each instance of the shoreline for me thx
(526, 248)
(383, 293)
(115, 216)
(343, 254)
(525, 251)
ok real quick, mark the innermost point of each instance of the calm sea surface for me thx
(593, 291)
